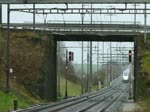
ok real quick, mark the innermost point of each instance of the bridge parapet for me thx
(77, 26)
(123, 26)
(94, 22)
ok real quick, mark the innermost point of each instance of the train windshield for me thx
(125, 73)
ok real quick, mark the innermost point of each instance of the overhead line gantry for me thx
(72, 1)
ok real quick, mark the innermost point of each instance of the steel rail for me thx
(96, 103)
(117, 103)
(69, 101)
(83, 97)
(113, 101)
(103, 106)
(110, 103)
(74, 101)
(79, 103)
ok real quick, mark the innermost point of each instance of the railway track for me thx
(98, 101)
(98, 104)
(104, 106)
(69, 102)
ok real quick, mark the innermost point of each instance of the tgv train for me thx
(126, 75)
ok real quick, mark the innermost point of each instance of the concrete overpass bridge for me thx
(77, 26)
(93, 31)
(60, 33)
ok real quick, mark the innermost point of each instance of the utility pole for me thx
(90, 66)
(145, 23)
(87, 84)
(82, 82)
(0, 24)
(117, 52)
(82, 18)
(111, 78)
(45, 18)
(103, 57)
(91, 14)
(135, 11)
(0, 15)
(97, 64)
(8, 51)
(90, 78)
(97, 56)
(66, 87)
(108, 76)
(58, 73)
(34, 19)
(103, 52)
(82, 89)
(110, 13)
(135, 14)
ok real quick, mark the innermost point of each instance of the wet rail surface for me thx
(103, 100)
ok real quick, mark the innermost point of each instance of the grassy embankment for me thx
(144, 100)
(73, 88)
(144, 82)
(18, 91)
(6, 100)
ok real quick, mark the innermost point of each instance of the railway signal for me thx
(130, 55)
(71, 56)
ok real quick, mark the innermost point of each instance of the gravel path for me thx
(130, 106)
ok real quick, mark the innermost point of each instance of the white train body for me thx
(126, 75)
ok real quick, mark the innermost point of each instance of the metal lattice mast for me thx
(8, 51)
(145, 23)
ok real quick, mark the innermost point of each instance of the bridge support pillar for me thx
(135, 67)
(49, 70)
(0, 15)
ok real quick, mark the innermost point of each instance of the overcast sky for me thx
(117, 48)
(24, 17)
(19, 17)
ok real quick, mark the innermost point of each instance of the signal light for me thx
(71, 56)
(130, 55)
